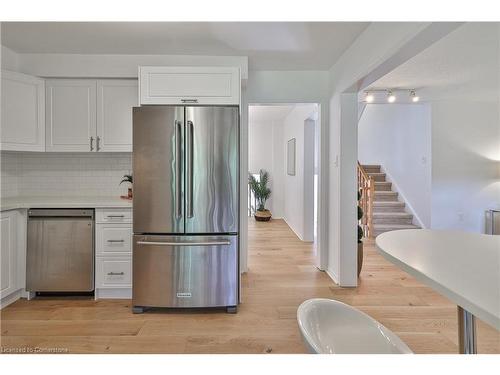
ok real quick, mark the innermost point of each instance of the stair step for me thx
(392, 218)
(383, 186)
(386, 196)
(378, 176)
(388, 206)
(382, 228)
(371, 168)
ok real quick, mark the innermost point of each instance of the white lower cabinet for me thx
(113, 249)
(12, 257)
(113, 272)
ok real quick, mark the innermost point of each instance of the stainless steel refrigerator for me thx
(186, 210)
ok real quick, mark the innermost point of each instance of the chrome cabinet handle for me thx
(116, 241)
(97, 143)
(178, 168)
(91, 143)
(189, 169)
(113, 216)
(189, 100)
(116, 273)
(209, 243)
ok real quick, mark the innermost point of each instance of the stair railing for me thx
(366, 186)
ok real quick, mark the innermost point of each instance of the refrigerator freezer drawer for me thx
(185, 271)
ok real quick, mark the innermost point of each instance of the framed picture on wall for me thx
(290, 157)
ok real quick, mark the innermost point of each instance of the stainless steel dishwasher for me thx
(60, 251)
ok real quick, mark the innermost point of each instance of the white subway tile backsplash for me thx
(68, 174)
(9, 174)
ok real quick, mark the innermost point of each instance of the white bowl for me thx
(332, 327)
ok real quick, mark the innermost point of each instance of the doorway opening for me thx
(283, 140)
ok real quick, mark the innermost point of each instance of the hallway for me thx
(281, 275)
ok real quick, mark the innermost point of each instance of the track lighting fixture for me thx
(413, 96)
(391, 98)
(369, 98)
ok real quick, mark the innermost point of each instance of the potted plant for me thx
(130, 179)
(360, 236)
(262, 194)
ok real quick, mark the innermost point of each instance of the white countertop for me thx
(464, 267)
(63, 202)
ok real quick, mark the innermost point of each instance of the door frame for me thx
(322, 214)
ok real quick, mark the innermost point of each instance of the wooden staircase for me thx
(388, 213)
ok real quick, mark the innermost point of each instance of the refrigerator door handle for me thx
(205, 243)
(178, 166)
(189, 169)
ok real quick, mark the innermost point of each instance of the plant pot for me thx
(360, 257)
(129, 193)
(264, 215)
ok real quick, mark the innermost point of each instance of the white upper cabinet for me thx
(189, 85)
(115, 99)
(70, 115)
(23, 112)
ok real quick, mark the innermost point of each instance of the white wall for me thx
(398, 136)
(117, 65)
(466, 131)
(9, 59)
(8, 174)
(265, 152)
(295, 188)
(309, 154)
(465, 167)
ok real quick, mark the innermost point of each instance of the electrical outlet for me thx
(460, 216)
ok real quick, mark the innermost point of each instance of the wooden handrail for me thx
(366, 186)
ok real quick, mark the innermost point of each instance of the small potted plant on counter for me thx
(128, 178)
(360, 236)
(261, 193)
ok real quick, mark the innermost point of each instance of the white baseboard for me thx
(11, 298)
(332, 276)
(113, 293)
(293, 230)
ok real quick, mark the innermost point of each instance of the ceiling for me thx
(464, 64)
(268, 113)
(268, 45)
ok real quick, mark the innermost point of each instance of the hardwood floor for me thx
(281, 275)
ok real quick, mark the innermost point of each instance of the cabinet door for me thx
(189, 85)
(70, 115)
(115, 99)
(8, 256)
(23, 112)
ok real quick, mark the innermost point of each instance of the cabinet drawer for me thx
(114, 215)
(113, 239)
(113, 272)
(189, 85)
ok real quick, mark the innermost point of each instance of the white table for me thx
(464, 267)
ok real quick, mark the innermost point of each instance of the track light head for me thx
(413, 96)
(391, 98)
